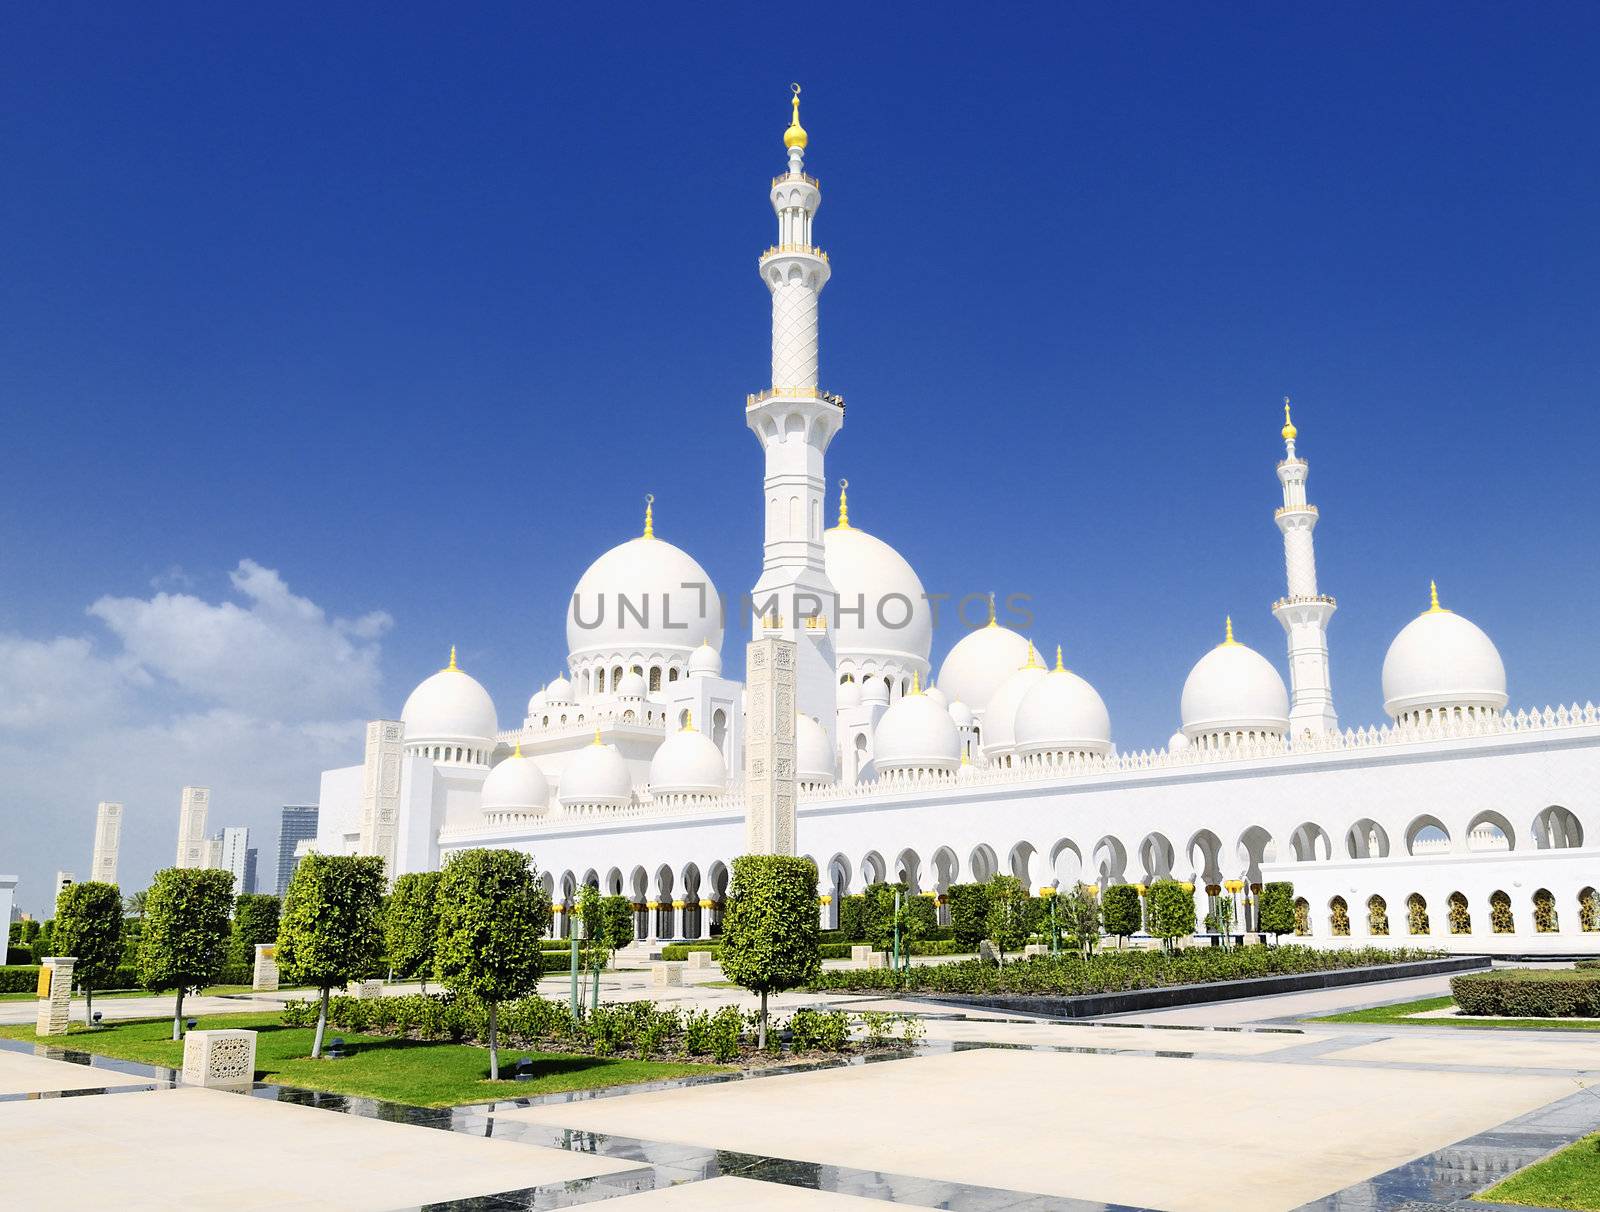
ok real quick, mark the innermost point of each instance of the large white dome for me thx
(596, 776)
(1000, 713)
(1441, 661)
(1062, 713)
(885, 625)
(688, 763)
(449, 706)
(980, 663)
(916, 734)
(516, 785)
(813, 754)
(643, 599)
(1234, 689)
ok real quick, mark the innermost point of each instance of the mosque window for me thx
(719, 730)
(655, 677)
(672, 674)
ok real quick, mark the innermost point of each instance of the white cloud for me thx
(252, 697)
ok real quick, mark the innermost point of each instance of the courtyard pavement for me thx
(1234, 1104)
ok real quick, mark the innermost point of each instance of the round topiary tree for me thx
(184, 939)
(330, 933)
(411, 925)
(1008, 921)
(1277, 909)
(1171, 911)
(255, 921)
(89, 927)
(769, 929)
(1119, 908)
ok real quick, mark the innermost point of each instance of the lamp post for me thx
(897, 933)
(576, 924)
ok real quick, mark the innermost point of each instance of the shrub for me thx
(725, 1028)
(1007, 923)
(812, 1030)
(411, 924)
(255, 920)
(769, 931)
(1528, 993)
(1078, 913)
(1119, 910)
(329, 933)
(19, 978)
(185, 936)
(1587, 964)
(852, 915)
(969, 912)
(19, 953)
(1171, 911)
(1276, 908)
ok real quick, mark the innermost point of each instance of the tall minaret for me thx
(794, 420)
(1304, 613)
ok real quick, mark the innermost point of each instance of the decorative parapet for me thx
(1324, 599)
(803, 249)
(809, 180)
(794, 393)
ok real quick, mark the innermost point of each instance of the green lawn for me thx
(1568, 1179)
(420, 1073)
(1395, 1015)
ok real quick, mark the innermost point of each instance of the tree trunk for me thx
(761, 1033)
(177, 1015)
(88, 1006)
(594, 1001)
(322, 1025)
(494, 1044)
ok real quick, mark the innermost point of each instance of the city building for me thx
(251, 860)
(192, 850)
(232, 853)
(1458, 821)
(296, 823)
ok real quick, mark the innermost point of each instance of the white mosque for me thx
(1456, 824)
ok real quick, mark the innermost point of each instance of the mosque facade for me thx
(1457, 823)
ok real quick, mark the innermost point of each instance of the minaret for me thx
(794, 420)
(1304, 613)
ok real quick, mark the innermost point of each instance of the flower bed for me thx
(640, 1029)
(1116, 971)
(1529, 993)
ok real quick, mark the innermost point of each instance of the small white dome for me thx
(1000, 713)
(559, 692)
(629, 686)
(516, 785)
(597, 776)
(916, 733)
(1062, 713)
(938, 696)
(813, 754)
(688, 763)
(976, 668)
(660, 584)
(894, 627)
(1234, 689)
(874, 690)
(536, 703)
(450, 705)
(961, 714)
(706, 662)
(848, 695)
(1441, 661)
(1177, 742)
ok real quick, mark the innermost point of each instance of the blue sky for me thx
(409, 306)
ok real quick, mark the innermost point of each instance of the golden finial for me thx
(649, 515)
(452, 667)
(916, 681)
(992, 623)
(1289, 430)
(795, 136)
(1433, 599)
(1033, 658)
(965, 760)
(1227, 633)
(688, 721)
(597, 734)
(518, 752)
(844, 506)
(1060, 668)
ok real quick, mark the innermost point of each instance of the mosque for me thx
(1458, 823)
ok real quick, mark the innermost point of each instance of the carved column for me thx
(770, 789)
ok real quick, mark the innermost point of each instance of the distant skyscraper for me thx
(250, 858)
(211, 853)
(107, 841)
(192, 827)
(233, 853)
(299, 822)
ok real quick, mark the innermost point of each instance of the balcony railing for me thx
(807, 249)
(795, 393)
(809, 180)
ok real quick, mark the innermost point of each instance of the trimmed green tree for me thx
(255, 921)
(492, 912)
(1010, 916)
(89, 927)
(184, 939)
(1078, 913)
(969, 912)
(616, 928)
(1171, 911)
(1276, 909)
(411, 925)
(330, 932)
(1119, 909)
(769, 930)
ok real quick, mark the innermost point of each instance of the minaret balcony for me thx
(794, 393)
(1321, 599)
(806, 250)
(809, 180)
(1287, 509)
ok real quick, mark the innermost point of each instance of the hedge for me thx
(24, 978)
(1587, 963)
(1116, 971)
(1528, 993)
(19, 953)
(852, 917)
(969, 912)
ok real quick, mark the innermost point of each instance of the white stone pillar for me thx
(380, 792)
(704, 932)
(55, 995)
(265, 977)
(769, 786)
